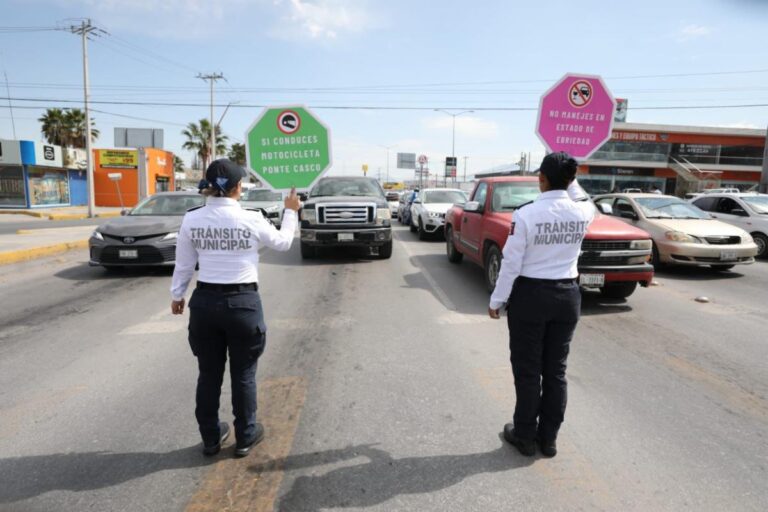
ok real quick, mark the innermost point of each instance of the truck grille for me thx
(346, 213)
(607, 253)
(604, 245)
(723, 240)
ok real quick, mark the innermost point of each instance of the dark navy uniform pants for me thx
(224, 322)
(542, 317)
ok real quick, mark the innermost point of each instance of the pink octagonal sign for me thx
(576, 115)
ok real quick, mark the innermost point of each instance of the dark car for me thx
(146, 235)
(346, 211)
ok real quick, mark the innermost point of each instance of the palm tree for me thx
(75, 122)
(237, 153)
(53, 127)
(178, 164)
(199, 140)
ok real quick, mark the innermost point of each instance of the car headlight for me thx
(679, 236)
(383, 214)
(169, 236)
(309, 215)
(747, 239)
(641, 244)
(97, 235)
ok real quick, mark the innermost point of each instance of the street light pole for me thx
(387, 148)
(453, 135)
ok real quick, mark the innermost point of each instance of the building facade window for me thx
(637, 151)
(12, 192)
(48, 187)
(741, 155)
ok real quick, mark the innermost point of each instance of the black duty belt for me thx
(228, 288)
(546, 281)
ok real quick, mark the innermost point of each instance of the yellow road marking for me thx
(234, 485)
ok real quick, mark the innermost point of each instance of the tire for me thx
(655, 258)
(492, 267)
(618, 290)
(385, 251)
(422, 234)
(454, 256)
(412, 227)
(762, 245)
(307, 251)
(721, 268)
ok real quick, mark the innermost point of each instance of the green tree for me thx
(198, 140)
(74, 122)
(237, 153)
(178, 164)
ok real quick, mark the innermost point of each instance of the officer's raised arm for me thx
(511, 264)
(280, 239)
(581, 198)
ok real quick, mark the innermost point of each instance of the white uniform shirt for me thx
(545, 240)
(225, 239)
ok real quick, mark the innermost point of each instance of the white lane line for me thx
(441, 295)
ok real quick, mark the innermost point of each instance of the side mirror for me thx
(124, 212)
(740, 212)
(628, 215)
(605, 208)
(472, 207)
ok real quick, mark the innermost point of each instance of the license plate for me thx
(129, 253)
(592, 279)
(346, 237)
(728, 256)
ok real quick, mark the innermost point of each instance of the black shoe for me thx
(548, 448)
(216, 448)
(524, 446)
(242, 449)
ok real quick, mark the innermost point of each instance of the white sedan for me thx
(749, 211)
(429, 209)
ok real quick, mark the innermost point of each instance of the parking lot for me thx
(384, 386)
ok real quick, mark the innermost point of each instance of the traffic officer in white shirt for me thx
(225, 309)
(537, 281)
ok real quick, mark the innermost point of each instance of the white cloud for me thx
(693, 31)
(320, 19)
(466, 126)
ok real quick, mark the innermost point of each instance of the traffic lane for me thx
(10, 227)
(659, 362)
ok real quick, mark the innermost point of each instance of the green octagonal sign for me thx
(287, 147)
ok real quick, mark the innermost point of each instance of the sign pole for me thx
(763, 188)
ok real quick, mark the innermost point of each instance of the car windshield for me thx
(445, 196)
(263, 195)
(668, 208)
(510, 196)
(758, 203)
(354, 187)
(167, 205)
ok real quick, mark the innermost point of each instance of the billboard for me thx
(118, 158)
(139, 138)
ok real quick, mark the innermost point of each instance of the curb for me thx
(60, 216)
(39, 215)
(16, 256)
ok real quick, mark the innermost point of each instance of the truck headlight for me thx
(383, 214)
(169, 236)
(309, 215)
(641, 245)
(97, 235)
(679, 236)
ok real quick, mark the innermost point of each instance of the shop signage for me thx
(118, 158)
(287, 147)
(10, 152)
(576, 115)
(48, 155)
(635, 136)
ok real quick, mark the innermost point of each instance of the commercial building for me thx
(141, 172)
(674, 159)
(34, 175)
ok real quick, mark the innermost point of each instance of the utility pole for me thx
(10, 106)
(465, 169)
(84, 30)
(763, 187)
(212, 78)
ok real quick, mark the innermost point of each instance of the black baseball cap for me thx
(224, 174)
(558, 167)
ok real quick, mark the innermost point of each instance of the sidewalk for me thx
(29, 244)
(63, 213)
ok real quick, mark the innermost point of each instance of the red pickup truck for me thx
(614, 255)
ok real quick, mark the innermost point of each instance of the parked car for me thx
(349, 212)
(614, 256)
(721, 191)
(682, 233)
(749, 211)
(266, 200)
(393, 198)
(145, 235)
(428, 210)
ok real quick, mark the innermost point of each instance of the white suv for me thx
(429, 208)
(749, 211)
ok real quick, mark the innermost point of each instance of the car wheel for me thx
(721, 268)
(422, 233)
(454, 256)
(762, 244)
(412, 226)
(655, 257)
(492, 267)
(385, 251)
(308, 252)
(618, 290)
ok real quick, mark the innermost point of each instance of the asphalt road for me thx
(384, 387)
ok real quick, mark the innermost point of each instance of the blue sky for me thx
(430, 54)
